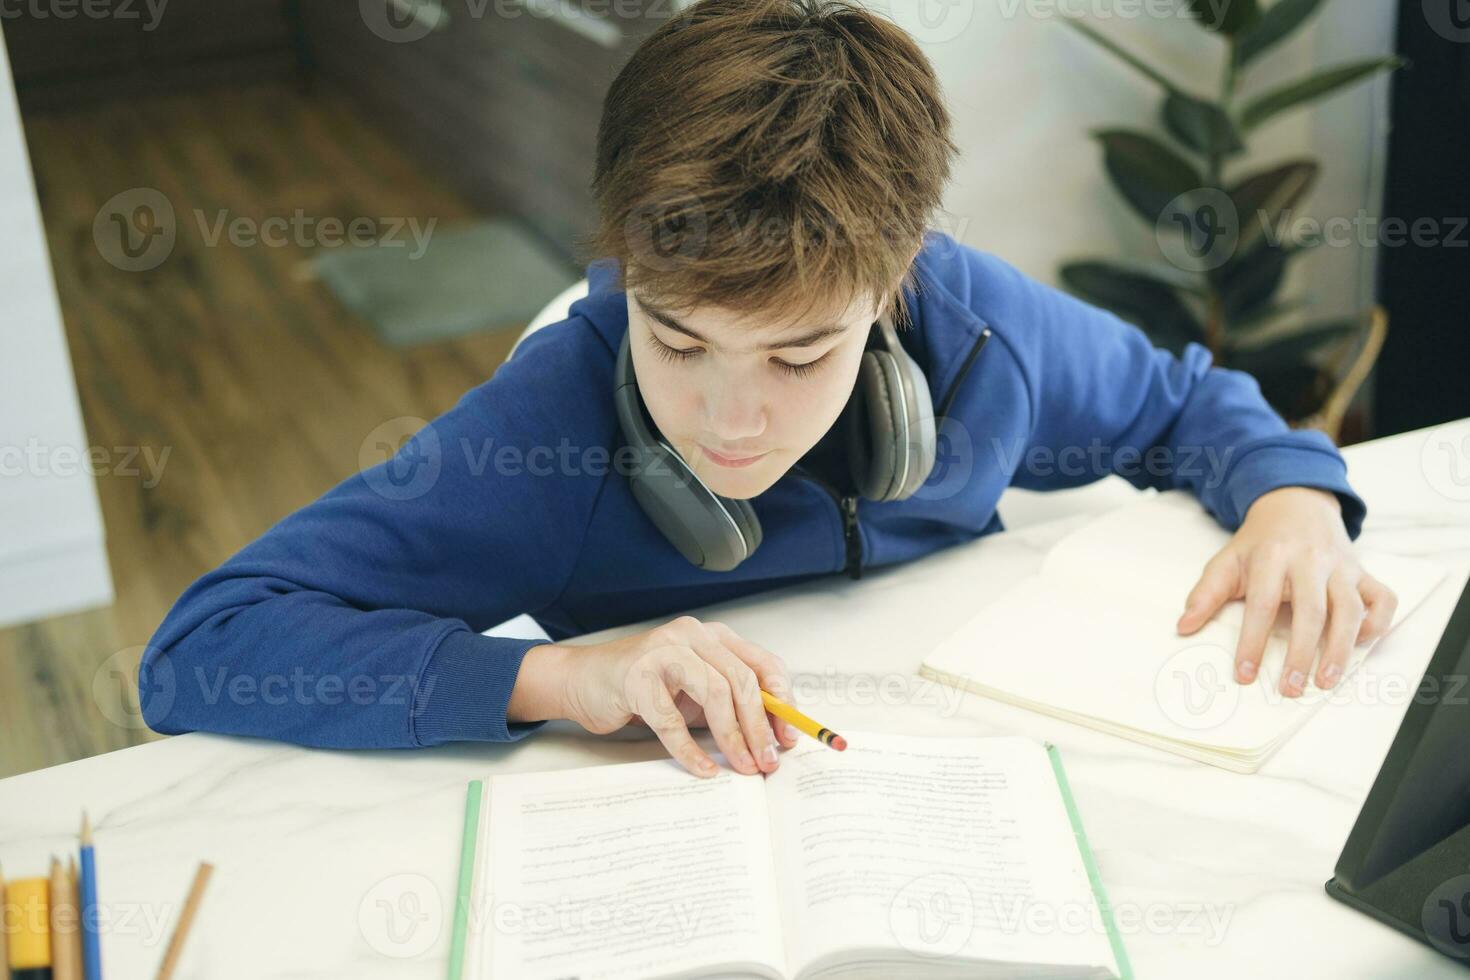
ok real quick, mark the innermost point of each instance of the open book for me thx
(902, 856)
(1091, 639)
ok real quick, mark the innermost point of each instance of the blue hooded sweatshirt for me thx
(356, 620)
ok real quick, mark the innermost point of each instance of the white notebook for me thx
(1091, 639)
(902, 856)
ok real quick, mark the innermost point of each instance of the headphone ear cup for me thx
(712, 532)
(873, 423)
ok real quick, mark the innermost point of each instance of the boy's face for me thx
(742, 400)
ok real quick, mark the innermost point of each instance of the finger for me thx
(745, 690)
(1217, 585)
(1381, 603)
(685, 670)
(1308, 617)
(1263, 589)
(770, 671)
(656, 706)
(1344, 617)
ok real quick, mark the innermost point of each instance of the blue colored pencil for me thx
(91, 942)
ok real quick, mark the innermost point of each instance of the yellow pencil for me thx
(789, 714)
(4, 947)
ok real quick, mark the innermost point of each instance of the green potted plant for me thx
(1222, 231)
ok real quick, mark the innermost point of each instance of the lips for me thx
(732, 461)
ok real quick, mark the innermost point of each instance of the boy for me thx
(750, 385)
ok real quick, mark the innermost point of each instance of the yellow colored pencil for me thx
(802, 723)
(4, 947)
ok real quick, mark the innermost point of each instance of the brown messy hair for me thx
(756, 155)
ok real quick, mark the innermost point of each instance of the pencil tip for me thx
(86, 828)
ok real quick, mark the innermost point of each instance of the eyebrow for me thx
(807, 339)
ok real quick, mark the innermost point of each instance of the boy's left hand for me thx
(1293, 547)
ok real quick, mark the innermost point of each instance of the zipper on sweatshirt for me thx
(852, 534)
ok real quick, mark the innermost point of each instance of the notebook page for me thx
(1093, 635)
(937, 848)
(636, 870)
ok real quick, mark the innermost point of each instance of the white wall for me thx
(1025, 90)
(53, 557)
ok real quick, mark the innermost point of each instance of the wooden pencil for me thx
(65, 922)
(186, 920)
(74, 895)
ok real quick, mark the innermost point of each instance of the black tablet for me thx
(1407, 860)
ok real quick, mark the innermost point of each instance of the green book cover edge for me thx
(1104, 907)
(466, 878)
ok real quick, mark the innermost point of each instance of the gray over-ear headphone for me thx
(889, 430)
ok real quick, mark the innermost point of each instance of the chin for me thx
(742, 484)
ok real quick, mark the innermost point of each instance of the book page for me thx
(1093, 635)
(637, 870)
(937, 849)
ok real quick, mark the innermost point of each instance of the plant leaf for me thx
(1310, 89)
(1146, 172)
(1249, 283)
(1261, 199)
(1275, 24)
(1142, 300)
(1225, 16)
(1138, 64)
(1296, 346)
(1202, 126)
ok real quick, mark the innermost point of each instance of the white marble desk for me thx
(337, 864)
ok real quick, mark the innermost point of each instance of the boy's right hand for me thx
(683, 674)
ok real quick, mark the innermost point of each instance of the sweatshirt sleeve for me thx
(355, 621)
(1104, 400)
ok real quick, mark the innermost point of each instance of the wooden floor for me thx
(257, 384)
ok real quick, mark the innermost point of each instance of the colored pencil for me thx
(789, 714)
(28, 904)
(4, 946)
(91, 941)
(186, 920)
(65, 921)
(74, 895)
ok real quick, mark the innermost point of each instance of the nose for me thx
(734, 409)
